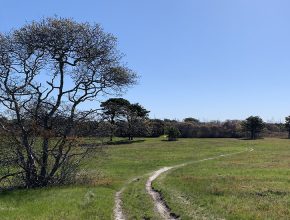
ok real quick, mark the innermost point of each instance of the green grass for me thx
(211, 188)
(69, 203)
(252, 185)
(138, 205)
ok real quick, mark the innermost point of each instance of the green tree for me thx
(114, 109)
(191, 120)
(135, 115)
(172, 133)
(287, 125)
(253, 125)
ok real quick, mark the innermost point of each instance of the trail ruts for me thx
(159, 203)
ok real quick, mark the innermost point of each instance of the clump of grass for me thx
(88, 200)
(215, 190)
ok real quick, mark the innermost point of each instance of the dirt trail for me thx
(159, 203)
(118, 211)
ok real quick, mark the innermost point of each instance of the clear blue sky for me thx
(218, 59)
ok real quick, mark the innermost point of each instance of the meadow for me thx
(249, 185)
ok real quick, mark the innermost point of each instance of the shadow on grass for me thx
(169, 140)
(124, 142)
(120, 142)
(250, 139)
(22, 193)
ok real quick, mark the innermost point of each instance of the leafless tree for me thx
(47, 70)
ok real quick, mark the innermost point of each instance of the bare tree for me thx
(47, 70)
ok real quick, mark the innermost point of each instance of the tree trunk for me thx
(112, 121)
(31, 179)
(253, 135)
(43, 171)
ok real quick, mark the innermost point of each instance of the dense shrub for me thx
(172, 133)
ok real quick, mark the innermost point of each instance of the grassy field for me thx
(248, 185)
(253, 185)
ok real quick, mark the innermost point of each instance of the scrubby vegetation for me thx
(146, 127)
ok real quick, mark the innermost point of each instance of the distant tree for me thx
(167, 121)
(232, 128)
(156, 127)
(187, 129)
(287, 125)
(191, 120)
(135, 115)
(47, 70)
(114, 109)
(86, 128)
(172, 133)
(102, 132)
(253, 125)
(204, 131)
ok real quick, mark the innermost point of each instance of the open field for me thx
(250, 185)
(244, 186)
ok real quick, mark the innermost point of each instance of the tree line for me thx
(118, 117)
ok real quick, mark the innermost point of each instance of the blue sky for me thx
(209, 59)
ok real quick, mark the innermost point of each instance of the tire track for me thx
(159, 203)
(118, 211)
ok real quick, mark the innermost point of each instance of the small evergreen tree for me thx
(136, 116)
(253, 125)
(172, 133)
(287, 125)
(113, 109)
